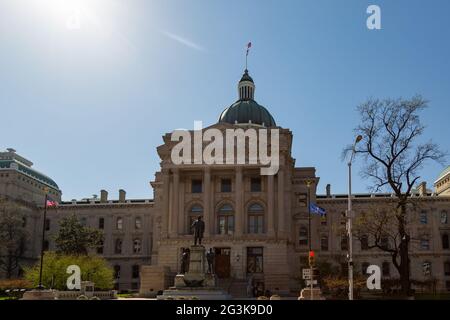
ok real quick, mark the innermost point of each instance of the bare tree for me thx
(393, 157)
(12, 237)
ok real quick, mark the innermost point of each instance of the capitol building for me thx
(257, 225)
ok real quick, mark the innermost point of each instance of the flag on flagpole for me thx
(317, 210)
(50, 202)
(249, 45)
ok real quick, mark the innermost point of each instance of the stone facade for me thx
(257, 225)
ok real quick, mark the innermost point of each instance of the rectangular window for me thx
(196, 186)
(116, 272)
(101, 223)
(386, 270)
(255, 185)
(423, 217)
(226, 224)
(135, 271)
(254, 260)
(100, 248)
(425, 244)
(138, 223)
(225, 185)
(447, 268)
(255, 223)
(46, 245)
(324, 243)
(344, 242)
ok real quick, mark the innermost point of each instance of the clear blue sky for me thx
(89, 103)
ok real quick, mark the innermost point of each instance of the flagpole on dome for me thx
(249, 45)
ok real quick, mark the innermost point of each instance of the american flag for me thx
(249, 45)
(50, 202)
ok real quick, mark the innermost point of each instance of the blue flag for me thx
(317, 210)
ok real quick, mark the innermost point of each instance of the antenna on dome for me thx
(249, 45)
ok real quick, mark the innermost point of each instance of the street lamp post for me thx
(308, 184)
(349, 215)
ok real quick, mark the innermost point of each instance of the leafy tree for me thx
(12, 237)
(93, 268)
(393, 156)
(73, 238)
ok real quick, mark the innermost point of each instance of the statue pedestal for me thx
(305, 294)
(195, 284)
(37, 294)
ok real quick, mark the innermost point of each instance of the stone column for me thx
(181, 213)
(281, 213)
(174, 208)
(165, 203)
(270, 203)
(206, 201)
(239, 193)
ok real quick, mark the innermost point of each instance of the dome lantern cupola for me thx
(246, 87)
(246, 110)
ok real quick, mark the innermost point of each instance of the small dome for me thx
(247, 111)
(246, 77)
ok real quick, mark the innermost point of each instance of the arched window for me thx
(119, 223)
(137, 245)
(255, 218)
(445, 243)
(194, 212)
(324, 243)
(225, 219)
(303, 236)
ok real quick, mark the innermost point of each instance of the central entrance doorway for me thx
(222, 262)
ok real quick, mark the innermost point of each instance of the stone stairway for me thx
(235, 287)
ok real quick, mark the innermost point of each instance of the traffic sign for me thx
(306, 274)
(308, 282)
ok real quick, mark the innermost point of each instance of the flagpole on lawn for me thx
(40, 286)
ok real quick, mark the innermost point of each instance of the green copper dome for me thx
(246, 109)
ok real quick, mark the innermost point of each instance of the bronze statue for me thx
(184, 261)
(210, 258)
(199, 227)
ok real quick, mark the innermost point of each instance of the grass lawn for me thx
(125, 295)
